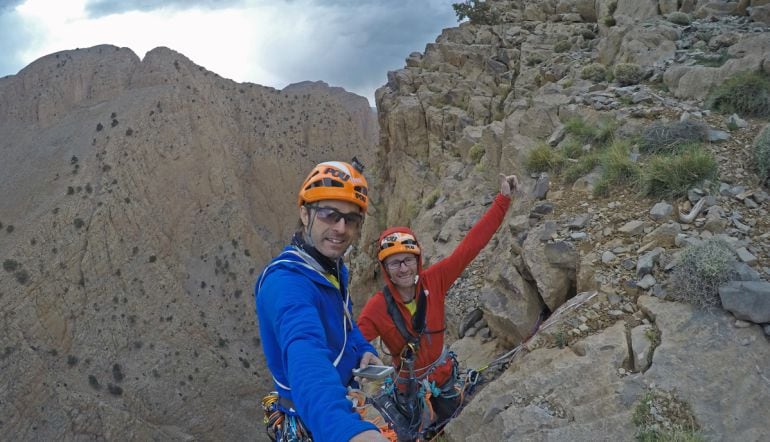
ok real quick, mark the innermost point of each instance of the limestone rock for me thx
(553, 283)
(749, 300)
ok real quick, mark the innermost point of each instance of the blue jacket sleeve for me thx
(289, 305)
(361, 343)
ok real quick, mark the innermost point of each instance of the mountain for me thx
(140, 198)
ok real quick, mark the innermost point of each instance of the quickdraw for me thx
(283, 424)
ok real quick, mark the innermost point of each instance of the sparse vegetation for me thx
(702, 269)
(674, 175)
(627, 74)
(584, 165)
(594, 72)
(93, 382)
(476, 11)
(618, 167)
(562, 46)
(761, 147)
(10, 265)
(117, 373)
(431, 198)
(609, 21)
(747, 94)
(670, 136)
(22, 277)
(601, 133)
(543, 159)
(476, 153)
(587, 34)
(679, 18)
(662, 416)
(560, 339)
(713, 60)
(114, 389)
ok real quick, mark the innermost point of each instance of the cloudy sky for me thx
(348, 43)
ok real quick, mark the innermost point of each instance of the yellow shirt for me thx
(411, 306)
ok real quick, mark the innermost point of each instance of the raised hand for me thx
(508, 184)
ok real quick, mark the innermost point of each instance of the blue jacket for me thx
(301, 319)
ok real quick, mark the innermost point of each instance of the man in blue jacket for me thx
(309, 338)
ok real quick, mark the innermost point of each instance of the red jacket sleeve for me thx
(445, 272)
(371, 316)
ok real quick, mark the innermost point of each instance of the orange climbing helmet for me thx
(335, 180)
(397, 240)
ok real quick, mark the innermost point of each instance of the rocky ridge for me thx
(475, 103)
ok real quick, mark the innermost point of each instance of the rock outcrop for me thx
(482, 97)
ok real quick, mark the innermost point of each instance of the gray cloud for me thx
(7, 5)
(100, 8)
(348, 43)
(355, 43)
(15, 35)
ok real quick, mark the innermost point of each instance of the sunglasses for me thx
(330, 215)
(396, 264)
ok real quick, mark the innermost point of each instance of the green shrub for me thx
(669, 136)
(713, 60)
(628, 73)
(747, 93)
(22, 277)
(702, 269)
(600, 134)
(594, 72)
(562, 46)
(674, 175)
(476, 153)
(10, 265)
(679, 18)
(609, 21)
(602, 187)
(571, 148)
(431, 198)
(762, 153)
(477, 11)
(543, 159)
(581, 168)
(617, 166)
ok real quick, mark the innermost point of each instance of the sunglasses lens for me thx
(333, 216)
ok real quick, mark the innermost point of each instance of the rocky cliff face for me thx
(139, 200)
(476, 103)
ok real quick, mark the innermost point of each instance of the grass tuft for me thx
(674, 175)
(746, 94)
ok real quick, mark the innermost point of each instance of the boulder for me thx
(554, 283)
(748, 300)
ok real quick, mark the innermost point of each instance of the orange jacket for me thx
(374, 320)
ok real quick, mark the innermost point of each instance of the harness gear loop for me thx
(282, 423)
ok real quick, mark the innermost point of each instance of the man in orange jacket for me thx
(408, 313)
